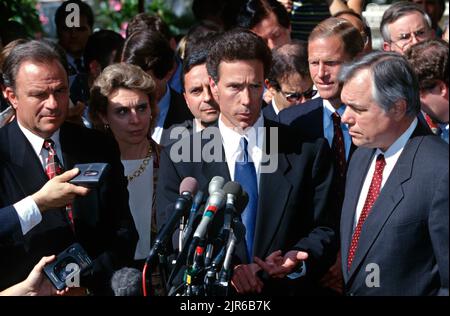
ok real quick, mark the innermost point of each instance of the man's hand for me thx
(278, 266)
(57, 192)
(244, 279)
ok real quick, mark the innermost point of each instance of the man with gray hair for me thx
(404, 24)
(394, 223)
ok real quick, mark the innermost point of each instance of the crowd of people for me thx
(341, 149)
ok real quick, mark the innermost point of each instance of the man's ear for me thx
(12, 97)
(443, 89)
(214, 89)
(386, 46)
(399, 109)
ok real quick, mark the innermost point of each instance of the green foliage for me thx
(115, 14)
(22, 11)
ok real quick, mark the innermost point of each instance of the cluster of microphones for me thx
(209, 230)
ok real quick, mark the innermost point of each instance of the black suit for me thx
(291, 206)
(406, 231)
(269, 112)
(103, 222)
(178, 113)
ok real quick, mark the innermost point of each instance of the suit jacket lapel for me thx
(391, 194)
(270, 209)
(24, 161)
(353, 190)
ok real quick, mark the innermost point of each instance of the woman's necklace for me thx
(142, 167)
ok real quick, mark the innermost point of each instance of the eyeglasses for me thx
(405, 38)
(294, 97)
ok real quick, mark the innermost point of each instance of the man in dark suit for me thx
(394, 224)
(332, 43)
(289, 190)
(35, 147)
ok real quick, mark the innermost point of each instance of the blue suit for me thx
(406, 232)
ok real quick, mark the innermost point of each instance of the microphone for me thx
(127, 282)
(236, 237)
(188, 188)
(198, 200)
(215, 202)
(215, 184)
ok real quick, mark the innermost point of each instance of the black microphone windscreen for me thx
(127, 282)
(233, 187)
(189, 184)
(241, 202)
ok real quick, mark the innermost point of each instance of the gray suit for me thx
(406, 233)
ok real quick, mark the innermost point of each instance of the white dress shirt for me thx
(231, 144)
(163, 108)
(27, 209)
(391, 157)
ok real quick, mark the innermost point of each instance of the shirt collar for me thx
(400, 143)
(231, 138)
(36, 141)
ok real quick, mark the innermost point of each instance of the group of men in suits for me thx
(386, 208)
(393, 223)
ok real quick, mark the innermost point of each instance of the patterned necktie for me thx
(79, 65)
(245, 174)
(340, 162)
(372, 195)
(53, 167)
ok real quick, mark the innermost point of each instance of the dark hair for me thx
(61, 13)
(37, 51)
(202, 9)
(349, 35)
(146, 21)
(393, 79)
(256, 10)
(287, 60)
(150, 51)
(101, 45)
(238, 44)
(429, 59)
(197, 53)
(396, 11)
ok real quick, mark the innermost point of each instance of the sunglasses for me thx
(294, 97)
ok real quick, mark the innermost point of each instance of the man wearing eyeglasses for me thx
(332, 43)
(289, 81)
(403, 25)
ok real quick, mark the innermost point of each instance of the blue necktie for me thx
(245, 174)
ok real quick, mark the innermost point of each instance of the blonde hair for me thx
(116, 76)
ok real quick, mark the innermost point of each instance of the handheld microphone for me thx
(188, 188)
(236, 236)
(127, 282)
(198, 200)
(215, 184)
(215, 202)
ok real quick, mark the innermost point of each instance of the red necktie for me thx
(340, 162)
(53, 168)
(372, 195)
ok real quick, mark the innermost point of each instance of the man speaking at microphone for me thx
(287, 179)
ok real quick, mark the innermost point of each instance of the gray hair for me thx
(41, 52)
(392, 79)
(396, 11)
